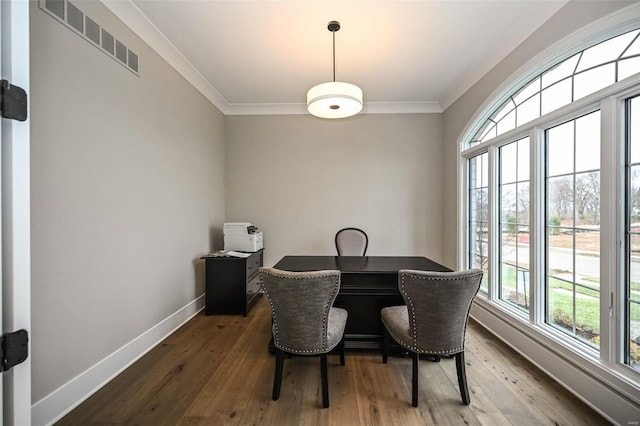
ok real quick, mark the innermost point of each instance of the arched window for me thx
(552, 202)
(574, 78)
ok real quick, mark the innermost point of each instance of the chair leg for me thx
(385, 345)
(325, 381)
(342, 351)
(414, 379)
(277, 379)
(462, 378)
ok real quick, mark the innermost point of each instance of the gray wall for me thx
(573, 16)
(300, 179)
(127, 190)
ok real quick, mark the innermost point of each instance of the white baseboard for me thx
(606, 392)
(58, 403)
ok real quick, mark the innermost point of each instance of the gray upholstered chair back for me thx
(438, 304)
(300, 306)
(351, 242)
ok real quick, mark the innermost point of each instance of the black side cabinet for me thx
(232, 283)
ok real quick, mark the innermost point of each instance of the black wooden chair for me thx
(351, 242)
(304, 321)
(434, 319)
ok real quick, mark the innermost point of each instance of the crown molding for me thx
(428, 107)
(368, 108)
(138, 22)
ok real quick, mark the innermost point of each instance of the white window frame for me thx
(607, 364)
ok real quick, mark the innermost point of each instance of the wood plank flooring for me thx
(216, 370)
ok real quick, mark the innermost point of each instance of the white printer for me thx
(241, 236)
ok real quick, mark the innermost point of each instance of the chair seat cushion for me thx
(336, 324)
(396, 320)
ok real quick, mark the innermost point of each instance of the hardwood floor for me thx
(216, 370)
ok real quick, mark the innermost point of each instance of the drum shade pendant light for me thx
(334, 99)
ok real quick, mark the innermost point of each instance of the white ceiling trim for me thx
(138, 22)
(368, 108)
(402, 107)
(129, 13)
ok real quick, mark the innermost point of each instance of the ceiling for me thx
(260, 57)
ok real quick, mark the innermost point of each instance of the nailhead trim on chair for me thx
(324, 319)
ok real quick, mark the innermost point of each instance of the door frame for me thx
(15, 200)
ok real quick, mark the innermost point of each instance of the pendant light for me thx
(334, 99)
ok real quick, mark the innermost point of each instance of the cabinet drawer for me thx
(253, 287)
(253, 264)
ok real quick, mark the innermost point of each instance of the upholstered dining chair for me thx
(304, 320)
(351, 242)
(434, 319)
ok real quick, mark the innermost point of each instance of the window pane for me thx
(560, 149)
(522, 242)
(507, 123)
(508, 163)
(634, 336)
(588, 315)
(490, 134)
(634, 49)
(560, 71)
(508, 204)
(560, 251)
(523, 203)
(588, 258)
(478, 215)
(484, 161)
(508, 249)
(486, 126)
(634, 269)
(529, 110)
(588, 142)
(478, 205)
(505, 109)
(556, 96)
(634, 130)
(523, 159)
(593, 80)
(560, 201)
(529, 90)
(587, 199)
(573, 234)
(522, 288)
(628, 67)
(514, 219)
(633, 195)
(560, 304)
(606, 51)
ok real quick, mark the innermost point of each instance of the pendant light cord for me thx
(334, 56)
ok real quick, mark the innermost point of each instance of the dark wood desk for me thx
(367, 284)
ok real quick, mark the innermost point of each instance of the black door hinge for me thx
(13, 102)
(14, 349)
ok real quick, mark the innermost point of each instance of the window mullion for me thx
(537, 229)
(611, 232)
(494, 233)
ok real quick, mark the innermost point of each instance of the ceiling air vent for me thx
(107, 41)
(92, 31)
(121, 52)
(56, 7)
(75, 18)
(72, 17)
